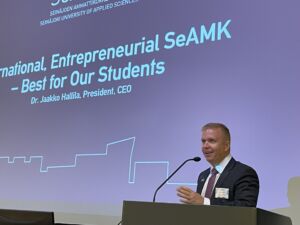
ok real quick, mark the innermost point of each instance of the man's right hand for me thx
(188, 196)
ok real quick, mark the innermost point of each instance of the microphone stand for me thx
(196, 159)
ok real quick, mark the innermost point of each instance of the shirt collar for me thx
(221, 166)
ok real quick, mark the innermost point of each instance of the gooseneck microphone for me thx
(196, 159)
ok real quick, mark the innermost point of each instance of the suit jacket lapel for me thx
(202, 179)
(225, 173)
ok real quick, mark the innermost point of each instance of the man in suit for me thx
(227, 182)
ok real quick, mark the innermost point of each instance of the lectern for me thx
(148, 213)
(22, 217)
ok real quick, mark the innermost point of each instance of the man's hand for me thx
(188, 196)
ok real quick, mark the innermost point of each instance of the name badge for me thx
(222, 193)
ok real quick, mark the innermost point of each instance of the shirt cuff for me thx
(206, 201)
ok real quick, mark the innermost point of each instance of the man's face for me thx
(215, 147)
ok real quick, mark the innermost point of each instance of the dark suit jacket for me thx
(241, 180)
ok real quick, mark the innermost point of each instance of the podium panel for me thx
(22, 217)
(148, 213)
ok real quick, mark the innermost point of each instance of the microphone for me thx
(196, 159)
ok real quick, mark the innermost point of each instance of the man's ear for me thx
(227, 144)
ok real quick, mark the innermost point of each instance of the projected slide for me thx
(102, 99)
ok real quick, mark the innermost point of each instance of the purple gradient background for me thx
(250, 83)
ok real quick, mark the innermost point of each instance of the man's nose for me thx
(205, 144)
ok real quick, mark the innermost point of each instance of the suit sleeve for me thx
(244, 191)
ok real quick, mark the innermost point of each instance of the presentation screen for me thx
(101, 100)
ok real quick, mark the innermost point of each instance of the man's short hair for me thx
(221, 126)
